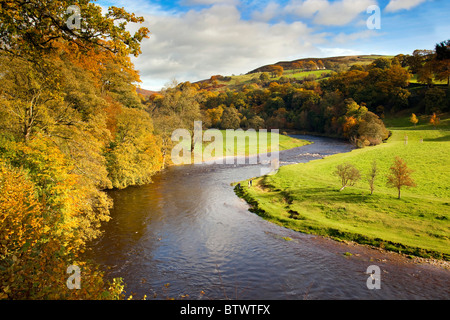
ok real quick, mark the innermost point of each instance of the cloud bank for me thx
(192, 40)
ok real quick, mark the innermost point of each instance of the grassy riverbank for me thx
(243, 146)
(306, 197)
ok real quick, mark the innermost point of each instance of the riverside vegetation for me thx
(72, 126)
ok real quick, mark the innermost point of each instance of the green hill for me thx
(331, 65)
(342, 62)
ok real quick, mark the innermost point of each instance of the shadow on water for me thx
(189, 229)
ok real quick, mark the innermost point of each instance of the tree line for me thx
(399, 176)
(349, 104)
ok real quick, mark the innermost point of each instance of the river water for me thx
(187, 233)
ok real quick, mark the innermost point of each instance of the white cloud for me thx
(305, 8)
(198, 44)
(397, 5)
(324, 12)
(340, 13)
(271, 11)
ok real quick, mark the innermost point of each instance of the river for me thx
(188, 234)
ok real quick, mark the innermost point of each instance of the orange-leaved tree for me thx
(400, 176)
(34, 257)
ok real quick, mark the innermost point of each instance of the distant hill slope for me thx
(345, 61)
(330, 65)
(144, 92)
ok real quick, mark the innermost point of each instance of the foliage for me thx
(348, 174)
(35, 249)
(133, 156)
(414, 119)
(400, 176)
(71, 126)
(434, 120)
(372, 176)
(31, 27)
(230, 118)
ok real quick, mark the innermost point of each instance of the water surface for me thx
(189, 229)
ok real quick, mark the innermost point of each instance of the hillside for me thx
(343, 62)
(144, 92)
(323, 70)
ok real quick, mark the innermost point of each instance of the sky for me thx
(192, 40)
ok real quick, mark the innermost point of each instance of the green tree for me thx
(381, 63)
(442, 61)
(264, 76)
(134, 156)
(348, 175)
(230, 118)
(256, 123)
(372, 176)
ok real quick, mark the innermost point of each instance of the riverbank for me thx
(306, 197)
(243, 146)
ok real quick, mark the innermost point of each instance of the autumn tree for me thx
(348, 175)
(372, 129)
(320, 64)
(34, 254)
(400, 176)
(310, 65)
(297, 66)
(31, 28)
(413, 119)
(442, 61)
(418, 59)
(133, 156)
(381, 63)
(276, 71)
(68, 108)
(434, 120)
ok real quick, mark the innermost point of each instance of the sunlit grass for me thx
(245, 145)
(418, 223)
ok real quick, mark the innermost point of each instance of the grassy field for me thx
(243, 146)
(306, 197)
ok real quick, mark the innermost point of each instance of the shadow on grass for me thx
(323, 195)
(440, 139)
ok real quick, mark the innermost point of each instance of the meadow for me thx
(243, 146)
(306, 197)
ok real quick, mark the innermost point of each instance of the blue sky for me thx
(194, 39)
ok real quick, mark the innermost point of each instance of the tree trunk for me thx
(399, 193)
(26, 133)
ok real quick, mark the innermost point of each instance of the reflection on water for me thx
(189, 229)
